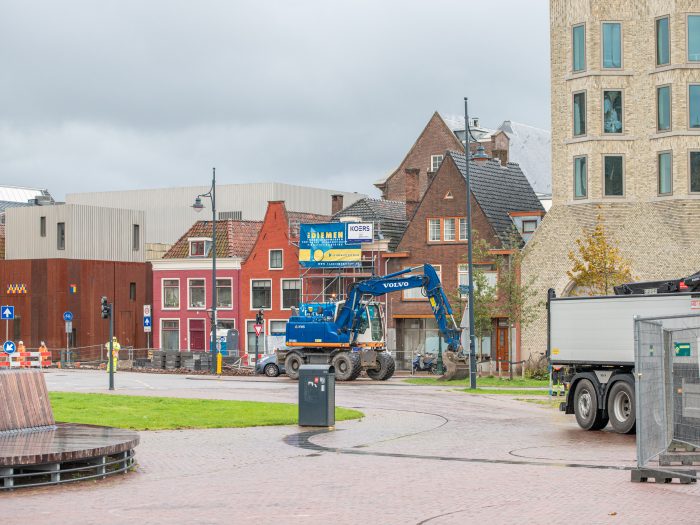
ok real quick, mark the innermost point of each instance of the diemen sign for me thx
(326, 246)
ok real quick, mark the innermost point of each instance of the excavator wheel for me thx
(456, 366)
(347, 366)
(292, 364)
(385, 369)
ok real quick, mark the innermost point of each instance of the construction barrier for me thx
(26, 360)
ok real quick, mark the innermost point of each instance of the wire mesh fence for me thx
(667, 397)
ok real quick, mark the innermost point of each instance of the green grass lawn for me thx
(506, 392)
(166, 413)
(488, 381)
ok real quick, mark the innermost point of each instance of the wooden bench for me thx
(24, 405)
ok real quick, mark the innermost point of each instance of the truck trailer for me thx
(591, 339)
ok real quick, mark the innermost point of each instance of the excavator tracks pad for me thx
(456, 366)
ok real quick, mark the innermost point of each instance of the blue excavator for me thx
(349, 334)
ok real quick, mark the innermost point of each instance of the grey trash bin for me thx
(316, 396)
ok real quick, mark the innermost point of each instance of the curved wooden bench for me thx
(25, 405)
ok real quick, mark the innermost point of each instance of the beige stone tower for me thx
(625, 139)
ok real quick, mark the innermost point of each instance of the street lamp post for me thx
(198, 206)
(470, 267)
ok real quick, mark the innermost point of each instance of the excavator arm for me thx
(424, 277)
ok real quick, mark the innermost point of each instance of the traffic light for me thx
(259, 317)
(106, 310)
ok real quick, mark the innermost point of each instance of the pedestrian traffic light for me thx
(106, 310)
(259, 317)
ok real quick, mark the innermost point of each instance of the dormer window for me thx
(435, 161)
(200, 247)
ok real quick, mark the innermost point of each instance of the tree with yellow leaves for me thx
(598, 266)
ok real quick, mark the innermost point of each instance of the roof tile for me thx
(234, 238)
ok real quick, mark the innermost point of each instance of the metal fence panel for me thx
(667, 371)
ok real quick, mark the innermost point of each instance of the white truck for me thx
(591, 339)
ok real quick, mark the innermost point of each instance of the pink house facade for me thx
(182, 284)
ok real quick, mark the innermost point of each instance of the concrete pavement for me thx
(421, 455)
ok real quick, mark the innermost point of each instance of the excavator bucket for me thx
(456, 366)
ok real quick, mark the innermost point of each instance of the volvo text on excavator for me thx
(349, 334)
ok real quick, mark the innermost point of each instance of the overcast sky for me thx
(103, 95)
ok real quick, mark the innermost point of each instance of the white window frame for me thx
(439, 229)
(232, 319)
(251, 294)
(466, 236)
(205, 240)
(162, 294)
(269, 259)
(230, 280)
(160, 331)
(463, 269)
(454, 229)
(435, 161)
(282, 281)
(189, 302)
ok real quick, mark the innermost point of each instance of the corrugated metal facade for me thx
(91, 233)
(169, 211)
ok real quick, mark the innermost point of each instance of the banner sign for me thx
(360, 232)
(326, 246)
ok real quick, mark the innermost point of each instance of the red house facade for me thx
(182, 285)
(270, 277)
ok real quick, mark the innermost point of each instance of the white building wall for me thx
(169, 213)
(92, 233)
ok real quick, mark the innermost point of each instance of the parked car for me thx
(267, 364)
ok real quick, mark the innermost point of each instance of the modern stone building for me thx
(625, 139)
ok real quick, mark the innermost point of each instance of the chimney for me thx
(412, 191)
(336, 203)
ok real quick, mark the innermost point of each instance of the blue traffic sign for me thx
(67, 316)
(7, 312)
(9, 347)
(147, 321)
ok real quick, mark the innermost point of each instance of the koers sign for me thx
(360, 232)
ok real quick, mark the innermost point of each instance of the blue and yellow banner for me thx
(326, 246)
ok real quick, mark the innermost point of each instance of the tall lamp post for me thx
(198, 206)
(470, 266)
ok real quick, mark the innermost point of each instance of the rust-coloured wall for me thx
(47, 282)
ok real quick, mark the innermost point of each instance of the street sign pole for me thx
(111, 347)
(256, 349)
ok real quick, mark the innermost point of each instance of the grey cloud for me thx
(117, 94)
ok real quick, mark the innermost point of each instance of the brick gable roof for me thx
(499, 190)
(233, 238)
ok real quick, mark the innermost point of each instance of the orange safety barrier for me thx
(26, 359)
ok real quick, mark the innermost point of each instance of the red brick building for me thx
(429, 149)
(436, 234)
(270, 275)
(182, 284)
(49, 287)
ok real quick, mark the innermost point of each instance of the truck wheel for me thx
(385, 368)
(347, 366)
(588, 416)
(292, 364)
(621, 408)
